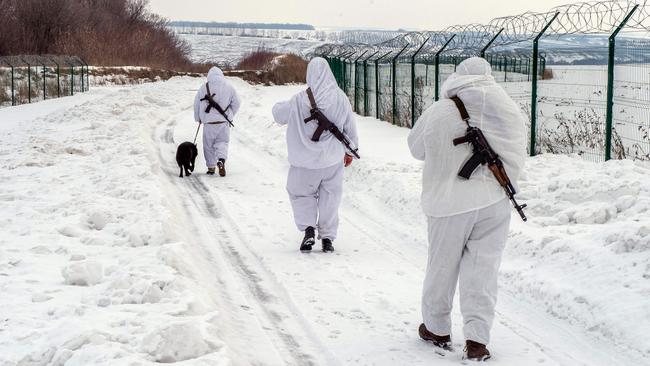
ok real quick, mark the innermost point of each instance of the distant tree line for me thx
(286, 26)
(103, 32)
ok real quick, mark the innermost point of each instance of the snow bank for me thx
(85, 273)
(179, 342)
(585, 255)
(85, 220)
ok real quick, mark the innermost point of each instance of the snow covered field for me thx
(230, 49)
(107, 257)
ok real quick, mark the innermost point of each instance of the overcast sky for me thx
(386, 14)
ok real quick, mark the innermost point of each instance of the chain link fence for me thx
(29, 78)
(580, 72)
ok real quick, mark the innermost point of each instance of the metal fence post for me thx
(339, 68)
(71, 79)
(356, 81)
(490, 42)
(87, 75)
(377, 92)
(394, 74)
(533, 105)
(609, 125)
(437, 67)
(44, 93)
(345, 74)
(335, 69)
(13, 86)
(365, 83)
(413, 81)
(82, 77)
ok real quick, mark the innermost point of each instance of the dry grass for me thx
(143, 74)
(52, 89)
(257, 60)
(4, 96)
(290, 69)
(271, 68)
(547, 74)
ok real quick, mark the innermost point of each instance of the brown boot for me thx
(476, 351)
(443, 342)
(221, 164)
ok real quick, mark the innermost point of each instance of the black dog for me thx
(185, 157)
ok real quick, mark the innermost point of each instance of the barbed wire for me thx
(41, 60)
(594, 17)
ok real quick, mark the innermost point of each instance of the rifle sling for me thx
(214, 104)
(461, 108)
(314, 108)
(312, 101)
(476, 159)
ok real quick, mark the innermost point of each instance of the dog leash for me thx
(197, 132)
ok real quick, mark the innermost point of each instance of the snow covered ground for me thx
(228, 50)
(107, 257)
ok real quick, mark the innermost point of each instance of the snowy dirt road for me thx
(233, 243)
(360, 305)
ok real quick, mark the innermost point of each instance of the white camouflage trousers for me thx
(465, 249)
(315, 196)
(215, 143)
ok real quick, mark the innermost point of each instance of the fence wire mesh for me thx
(29, 79)
(631, 120)
(584, 86)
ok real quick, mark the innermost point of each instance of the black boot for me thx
(475, 351)
(327, 245)
(443, 341)
(221, 164)
(308, 240)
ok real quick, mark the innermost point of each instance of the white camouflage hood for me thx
(322, 83)
(215, 74)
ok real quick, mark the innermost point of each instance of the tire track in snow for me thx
(273, 310)
(527, 343)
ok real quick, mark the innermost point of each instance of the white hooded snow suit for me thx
(468, 220)
(316, 174)
(216, 136)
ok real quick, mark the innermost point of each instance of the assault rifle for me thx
(325, 124)
(483, 154)
(215, 105)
